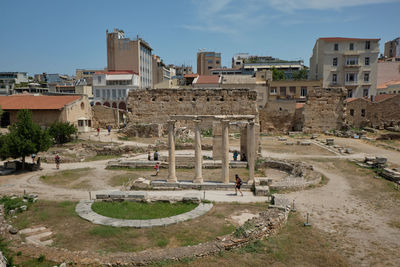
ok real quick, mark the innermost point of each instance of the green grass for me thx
(141, 211)
(102, 157)
(11, 204)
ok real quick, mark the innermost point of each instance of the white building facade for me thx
(346, 62)
(111, 88)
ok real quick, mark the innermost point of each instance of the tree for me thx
(25, 138)
(277, 75)
(62, 132)
(300, 75)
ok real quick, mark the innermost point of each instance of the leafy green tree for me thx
(25, 138)
(300, 75)
(277, 75)
(62, 132)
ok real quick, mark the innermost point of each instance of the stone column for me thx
(171, 152)
(225, 151)
(251, 150)
(198, 159)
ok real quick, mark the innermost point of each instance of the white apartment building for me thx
(346, 62)
(111, 88)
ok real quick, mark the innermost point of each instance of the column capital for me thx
(251, 122)
(225, 121)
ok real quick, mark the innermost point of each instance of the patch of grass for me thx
(102, 157)
(65, 177)
(105, 231)
(141, 211)
(13, 203)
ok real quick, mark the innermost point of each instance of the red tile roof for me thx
(348, 100)
(386, 84)
(208, 79)
(299, 105)
(333, 39)
(17, 102)
(194, 75)
(383, 97)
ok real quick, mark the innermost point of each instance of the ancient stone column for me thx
(198, 159)
(171, 152)
(225, 151)
(251, 150)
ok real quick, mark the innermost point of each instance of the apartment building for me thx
(206, 61)
(160, 71)
(181, 71)
(111, 88)
(246, 64)
(86, 74)
(133, 55)
(296, 90)
(8, 80)
(392, 48)
(346, 62)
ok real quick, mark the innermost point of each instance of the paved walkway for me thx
(84, 209)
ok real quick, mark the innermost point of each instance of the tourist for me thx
(235, 155)
(157, 168)
(243, 158)
(238, 184)
(38, 162)
(33, 157)
(109, 129)
(98, 131)
(155, 156)
(57, 160)
(149, 156)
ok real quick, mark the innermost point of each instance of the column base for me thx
(172, 180)
(198, 181)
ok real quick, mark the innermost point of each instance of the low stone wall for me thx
(143, 130)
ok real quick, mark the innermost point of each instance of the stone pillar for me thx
(198, 159)
(171, 152)
(225, 151)
(251, 150)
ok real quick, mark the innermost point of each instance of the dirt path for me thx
(356, 228)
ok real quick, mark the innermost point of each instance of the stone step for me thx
(33, 230)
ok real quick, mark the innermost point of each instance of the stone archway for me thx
(122, 105)
(114, 105)
(98, 104)
(107, 104)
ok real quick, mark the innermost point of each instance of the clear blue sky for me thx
(59, 36)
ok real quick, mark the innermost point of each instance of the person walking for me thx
(235, 155)
(98, 131)
(238, 184)
(157, 168)
(57, 159)
(109, 129)
(155, 156)
(149, 156)
(33, 157)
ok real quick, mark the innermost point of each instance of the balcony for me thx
(351, 83)
(350, 65)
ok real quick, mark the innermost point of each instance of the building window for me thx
(97, 92)
(273, 90)
(209, 67)
(350, 93)
(351, 77)
(282, 91)
(367, 44)
(334, 61)
(217, 62)
(303, 91)
(114, 94)
(366, 77)
(366, 61)
(351, 61)
(292, 90)
(336, 47)
(365, 92)
(351, 46)
(210, 61)
(99, 79)
(334, 78)
(351, 112)
(363, 113)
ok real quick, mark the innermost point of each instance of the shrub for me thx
(62, 132)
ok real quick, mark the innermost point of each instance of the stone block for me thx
(261, 190)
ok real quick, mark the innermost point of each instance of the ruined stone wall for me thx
(103, 116)
(280, 116)
(376, 114)
(156, 105)
(325, 110)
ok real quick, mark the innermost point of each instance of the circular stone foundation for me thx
(84, 210)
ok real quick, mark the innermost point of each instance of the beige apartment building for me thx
(124, 54)
(392, 48)
(206, 61)
(291, 89)
(346, 62)
(86, 74)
